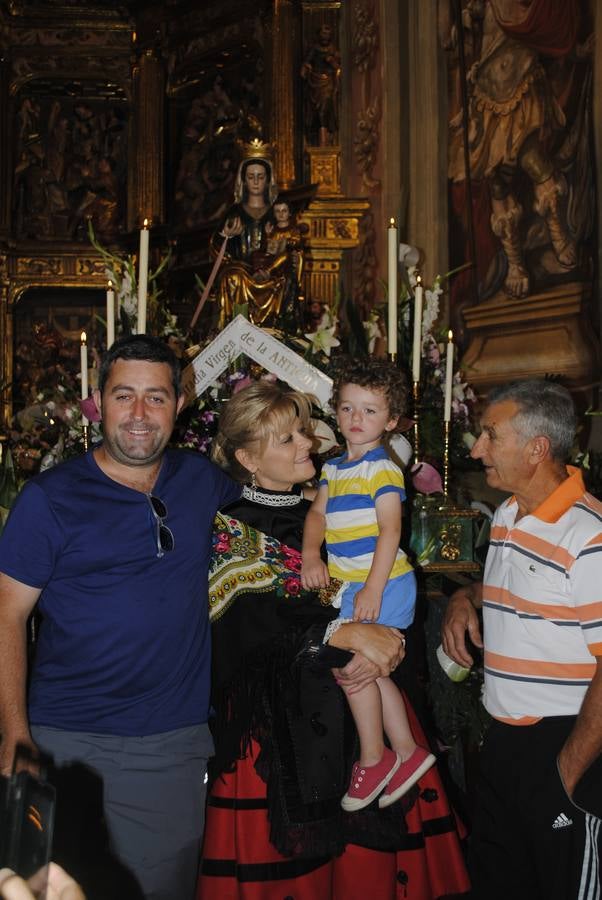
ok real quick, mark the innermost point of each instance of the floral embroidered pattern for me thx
(245, 559)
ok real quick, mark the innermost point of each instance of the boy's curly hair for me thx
(375, 374)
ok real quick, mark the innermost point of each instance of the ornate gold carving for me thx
(450, 537)
(365, 143)
(367, 136)
(38, 265)
(333, 227)
(342, 229)
(85, 265)
(325, 169)
(365, 37)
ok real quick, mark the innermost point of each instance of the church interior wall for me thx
(117, 112)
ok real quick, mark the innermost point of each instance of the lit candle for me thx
(392, 270)
(83, 356)
(449, 378)
(417, 343)
(142, 277)
(110, 315)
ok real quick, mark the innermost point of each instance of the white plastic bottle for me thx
(452, 669)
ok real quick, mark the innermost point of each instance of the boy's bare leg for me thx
(395, 718)
(366, 709)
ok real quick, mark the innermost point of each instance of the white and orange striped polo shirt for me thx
(542, 605)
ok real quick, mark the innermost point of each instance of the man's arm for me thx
(17, 601)
(460, 617)
(584, 743)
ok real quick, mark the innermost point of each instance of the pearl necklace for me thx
(258, 496)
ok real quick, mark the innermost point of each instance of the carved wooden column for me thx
(5, 161)
(148, 159)
(6, 347)
(596, 433)
(427, 127)
(333, 218)
(284, 72)
(6, 337)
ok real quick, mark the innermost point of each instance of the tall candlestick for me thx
(83, 357)
(392, 280)
(142, 277)
(110, 315)
(417, 343)
(449, 377)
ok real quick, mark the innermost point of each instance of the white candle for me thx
(110, 315)
(83, 358)
(449, 378)
(417, 343)
(392, 281)
(142, 277)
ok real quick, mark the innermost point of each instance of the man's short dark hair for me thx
(544, 408)
(141, 347)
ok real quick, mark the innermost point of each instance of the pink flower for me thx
(222, 541)
(426, 479)
(292, 586)
(222, 546)
(89, 409)
(290, 551)
(242, 383)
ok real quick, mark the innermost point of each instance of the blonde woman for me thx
(284, 740)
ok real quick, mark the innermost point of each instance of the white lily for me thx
(323, 339)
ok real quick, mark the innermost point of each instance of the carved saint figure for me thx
(252, 274)
(321, 71)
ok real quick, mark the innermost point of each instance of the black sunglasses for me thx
(165, 538)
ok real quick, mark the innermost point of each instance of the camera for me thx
(27, 806)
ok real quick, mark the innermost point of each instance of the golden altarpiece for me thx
(113, 112)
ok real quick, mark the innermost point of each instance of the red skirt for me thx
(240, 863)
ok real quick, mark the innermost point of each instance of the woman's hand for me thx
(379, 644)
(358, 673)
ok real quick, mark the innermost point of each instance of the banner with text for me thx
(242, 337)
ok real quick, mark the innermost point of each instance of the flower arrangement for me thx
(121, 272)
(338, 330)
(432, 381)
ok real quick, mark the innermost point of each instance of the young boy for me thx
(358, 511)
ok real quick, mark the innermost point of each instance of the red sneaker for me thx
(408, 773)
(368, 781)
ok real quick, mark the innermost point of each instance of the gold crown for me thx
(257, 149)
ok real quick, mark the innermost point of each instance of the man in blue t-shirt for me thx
(114, 547)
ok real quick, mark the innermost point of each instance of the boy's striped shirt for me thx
(351, 524)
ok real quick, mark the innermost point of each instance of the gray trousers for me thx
(153, 797)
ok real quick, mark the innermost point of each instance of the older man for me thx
(535, 832)
(115, 546)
